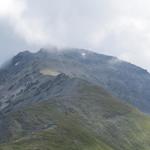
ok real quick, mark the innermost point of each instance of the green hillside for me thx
(89, 120)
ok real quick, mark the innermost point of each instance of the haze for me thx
(114, 27)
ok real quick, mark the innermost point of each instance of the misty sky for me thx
(115, 27)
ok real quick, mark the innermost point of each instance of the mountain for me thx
(124, 80)
(48, 103)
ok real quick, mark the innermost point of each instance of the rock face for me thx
(124, 80)
(52, 103)
(54, 100)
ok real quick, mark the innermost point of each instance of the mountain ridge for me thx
(124, 80)
(73, 109)
(45, 104)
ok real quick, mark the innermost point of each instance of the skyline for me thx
(118, 28)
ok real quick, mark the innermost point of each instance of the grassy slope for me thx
(68, 133)
(97, 122)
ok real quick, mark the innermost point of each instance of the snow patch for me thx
(17, 63)
(83, 55)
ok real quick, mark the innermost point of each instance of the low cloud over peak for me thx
(119, 28)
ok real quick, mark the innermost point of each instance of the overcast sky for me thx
(115, 27)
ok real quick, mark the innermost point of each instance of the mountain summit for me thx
(124, 80)
(62, 100)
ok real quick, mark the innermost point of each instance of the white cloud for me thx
(11, 8)
(29, 28)
(115, 27)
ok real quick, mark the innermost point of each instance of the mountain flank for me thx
(51, 101)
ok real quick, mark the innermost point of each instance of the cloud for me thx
(29, 28)
(113, 27)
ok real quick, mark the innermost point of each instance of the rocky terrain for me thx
(73, 100)
(124, 80)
